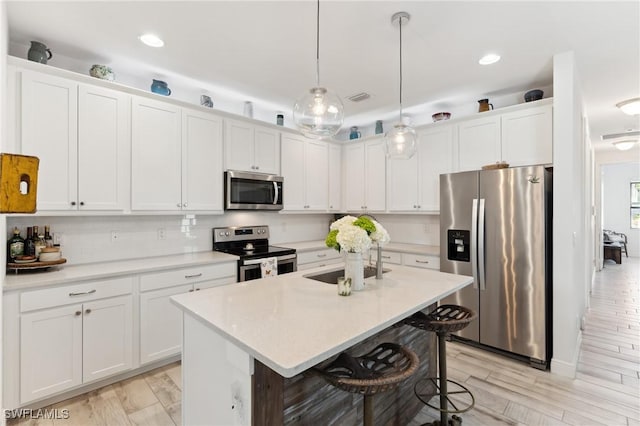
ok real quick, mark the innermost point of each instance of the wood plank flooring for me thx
(606, 390)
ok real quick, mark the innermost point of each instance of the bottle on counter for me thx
(48, 239)
(15, 245)
(39, 244)
(29, 243)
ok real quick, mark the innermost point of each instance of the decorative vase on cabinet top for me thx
(160, 87)
(38, 52)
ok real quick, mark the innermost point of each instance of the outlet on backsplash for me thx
(162, 234)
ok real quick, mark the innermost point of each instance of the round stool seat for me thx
(443, 319)
(380, 370)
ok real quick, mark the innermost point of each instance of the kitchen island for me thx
(286, 325)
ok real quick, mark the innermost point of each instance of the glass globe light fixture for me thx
(400, 142)
(319, 113)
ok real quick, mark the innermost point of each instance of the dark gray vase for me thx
(38, 52)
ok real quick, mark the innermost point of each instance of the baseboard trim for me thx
(564, 368)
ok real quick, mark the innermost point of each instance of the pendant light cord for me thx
(400, 22)
(318, 45)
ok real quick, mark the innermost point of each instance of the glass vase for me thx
(354, 269)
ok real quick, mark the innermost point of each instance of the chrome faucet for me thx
(379, 263)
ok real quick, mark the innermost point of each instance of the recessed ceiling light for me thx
(630, 106)
(489, 59)
(151, 40)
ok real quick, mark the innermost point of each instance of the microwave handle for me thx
(277, 193)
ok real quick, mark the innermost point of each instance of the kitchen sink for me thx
(331, 277)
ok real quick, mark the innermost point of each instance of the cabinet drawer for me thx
(79, 293)
(319, 264)
(421, 261)
(190, 275)
(389, 257)
(317, 256)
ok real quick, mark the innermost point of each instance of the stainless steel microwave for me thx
(252, 191)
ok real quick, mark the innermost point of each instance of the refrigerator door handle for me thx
(480, 243)
(474, 242)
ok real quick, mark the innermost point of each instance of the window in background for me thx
(635, 205)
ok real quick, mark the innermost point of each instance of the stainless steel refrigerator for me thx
(495, 225)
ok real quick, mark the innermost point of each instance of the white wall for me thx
(4, 37)
(571, 215)
(615, 200)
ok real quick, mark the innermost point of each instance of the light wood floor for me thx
(606, 390)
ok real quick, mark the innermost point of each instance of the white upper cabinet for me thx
(202, 173)
(176, 158)
(335, 177)
(520, 137)
(478, 142)
(80, 133)
(251, 148)
(527, 136)
(104, 129)
(365, 176)
(413, 185)
(305, 168)
(156, 151)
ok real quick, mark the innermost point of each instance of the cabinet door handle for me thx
(191, 290)
(73, 203)
(88, 311)
(322, 255)
(257, 167)
(82, 203)
(184, 205)
(385, 257)
(422, 261)
(78, 313)
(179, 205)
(197, 289)
(82, 293)
(194, 275)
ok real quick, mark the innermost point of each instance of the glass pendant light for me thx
(319, 113)
(400, 142)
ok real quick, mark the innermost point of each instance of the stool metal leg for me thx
(442, 361)
(368, 410)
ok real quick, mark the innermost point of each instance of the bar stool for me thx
(444, 320)
(380, 370)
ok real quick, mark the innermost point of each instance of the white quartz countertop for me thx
(391, 246)
(69, 273)
(291, 323)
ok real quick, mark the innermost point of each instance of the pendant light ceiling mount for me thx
(400, 142)
(319, 113)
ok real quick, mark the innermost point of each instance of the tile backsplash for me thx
(88, 239)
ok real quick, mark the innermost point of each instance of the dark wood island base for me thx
(306, 399)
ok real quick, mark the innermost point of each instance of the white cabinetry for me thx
(318, 258)
(364, 176)
(74, 334)
(520, 137)
(413, 185)
(81, 135)
(527, 136)
(251, 148)
(478, 142)
(335, 178)
(305, 168)
(176, 155)
(421, 261)
(160, 320)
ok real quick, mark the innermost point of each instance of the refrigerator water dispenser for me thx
(458, 245)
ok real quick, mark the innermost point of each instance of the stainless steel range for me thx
(251, 244)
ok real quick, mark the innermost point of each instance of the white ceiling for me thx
(266, 49)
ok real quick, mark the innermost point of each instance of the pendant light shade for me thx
(320, 112)
(401, 141)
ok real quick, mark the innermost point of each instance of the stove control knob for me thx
(221, 233)
(226, 233)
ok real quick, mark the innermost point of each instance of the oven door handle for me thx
(258, 261)
(276, 194)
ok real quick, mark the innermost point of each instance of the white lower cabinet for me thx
(63, 347)
(160, 320)
(421, 261)
(318, 258)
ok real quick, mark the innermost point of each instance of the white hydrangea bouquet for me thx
(356, 234)
(353, 236)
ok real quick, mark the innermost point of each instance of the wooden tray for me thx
(35, 265)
